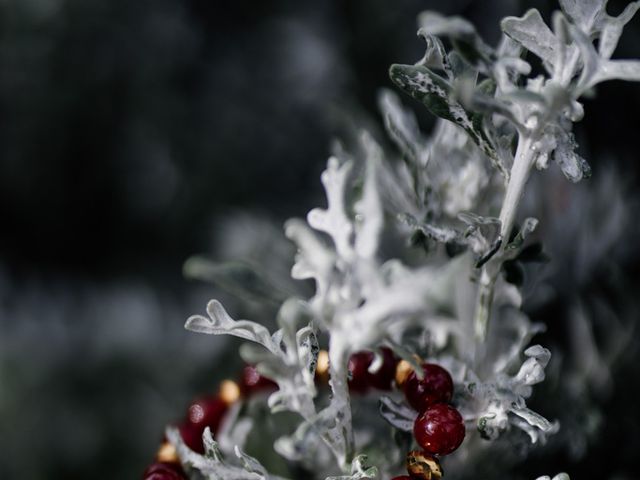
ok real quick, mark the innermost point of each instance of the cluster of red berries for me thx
(438, 428)
(202, 413)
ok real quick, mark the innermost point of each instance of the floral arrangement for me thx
(412, 356)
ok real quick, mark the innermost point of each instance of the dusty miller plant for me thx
(418, 249)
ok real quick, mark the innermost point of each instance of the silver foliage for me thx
(443, 192)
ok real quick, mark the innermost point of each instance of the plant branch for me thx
(522, 164)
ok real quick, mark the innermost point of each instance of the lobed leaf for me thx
(436, 94)
(532, 33)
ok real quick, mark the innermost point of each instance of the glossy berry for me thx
(383, 378)
(252, 382)
(439, 430)
(435, 387)
(358, 366)
(360, 379)
(192, 436)
(164, 471)
(207, 412)
(202, 413)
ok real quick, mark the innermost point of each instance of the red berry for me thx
(435, 387)
(360, 379)
(383, 378)
(164, 471)
(202, 413)
(207, 412)
(192, 436)
(252, 382)
(439, 430)
(358, 366)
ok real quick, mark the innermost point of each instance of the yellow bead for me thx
(423, 466)
(403, 369)
(229, 392)
(322, 365)
(167, 453)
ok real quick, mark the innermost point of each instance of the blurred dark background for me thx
(131, 135)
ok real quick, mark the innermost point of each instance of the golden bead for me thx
(229, 392)
(403, 369)
(167, 453)
(322, 365)
(423, 466)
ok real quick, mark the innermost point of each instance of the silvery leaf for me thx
(573, 166)
(238, 278)
(435, 55)
(359, 470)
(535, 420)
(397, 414)
(219, 323)
(402, 128)
(439, 234)
(211, 465)
(528, 226)
(463, 36)
(251, 464)
(584, 13)
(628, 70)
(314, 259)
(611, 29)
(436, 94)
(532, 32)
(532, 370)
(368, 210)
(334, 219)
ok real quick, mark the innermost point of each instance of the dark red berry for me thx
(207, 412)
(435, 387)
(252, 382)
(192, 436)
(202, 413)
(383, 378)
(164, 471)
(402, 477)
(439, 430)
(358, 366)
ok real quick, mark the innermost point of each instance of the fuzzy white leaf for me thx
(359, 470)
(314, 259)
(211, 465)
(535, 420)
(573, 166)
(220, 323)
(584, 13)
(532, 32)
(402, 128)
(611, 29)
(397, 414)
(368, 210)
(532, 370)
(334, 220)
(628, 70)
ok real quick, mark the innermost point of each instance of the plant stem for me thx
(341, 441)
(522, 163)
